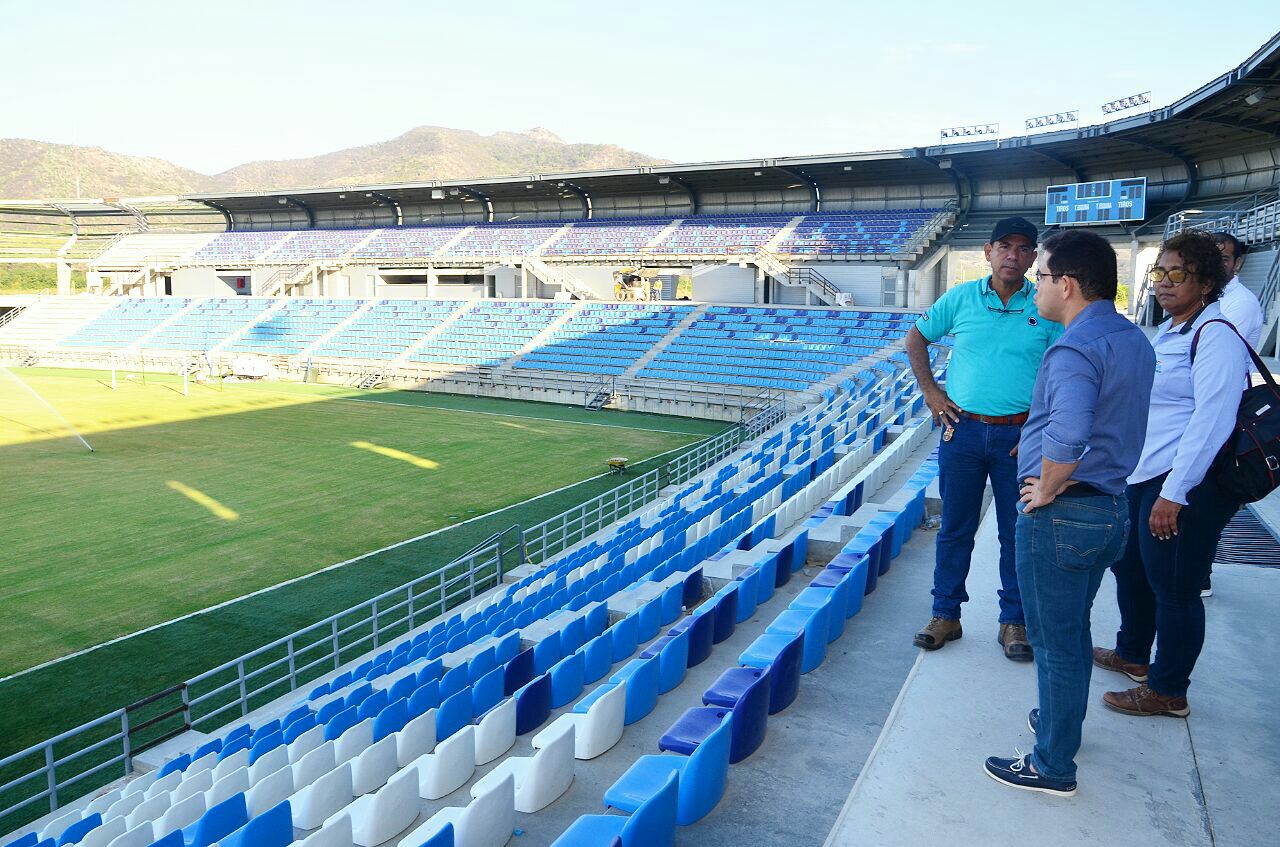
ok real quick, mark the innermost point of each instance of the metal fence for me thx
(43, 777)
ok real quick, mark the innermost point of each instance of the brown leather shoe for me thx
(1111, 661)
(1013, 638)
(937, 632)
(1145, 703)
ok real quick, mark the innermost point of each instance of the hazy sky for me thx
(210, 85)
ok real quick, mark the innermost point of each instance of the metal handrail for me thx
(931, 228)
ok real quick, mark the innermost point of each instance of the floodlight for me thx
(663, 180)
(1126, 102)
(970, 130)
(1255, 97)
(1053, 119)
(437, 194)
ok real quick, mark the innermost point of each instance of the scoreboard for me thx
(1104, 202)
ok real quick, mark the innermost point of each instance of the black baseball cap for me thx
(1014, 226)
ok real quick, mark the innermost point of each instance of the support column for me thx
(944, 275)
(524, 282)
(1134, 277)
(64, 279)
(900, 286)
(431, 283)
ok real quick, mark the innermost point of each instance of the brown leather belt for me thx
(997, 420)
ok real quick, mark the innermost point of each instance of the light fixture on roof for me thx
(1126, 102)
(758, 173)
(664, 180)
(281, 200)
(970, 130)
(437, 194)
(528, 185)
(342, 197)
(1255, 97)
(1053, 119)
(848, 167)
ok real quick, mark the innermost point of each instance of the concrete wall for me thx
(724, 284)
(200, 282)
(506, 282)
(862, 281)
(598, 279)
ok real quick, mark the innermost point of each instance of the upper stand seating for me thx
(294, 327)
(855, 232)
(604, 338)
(774, 348)
(407, 243)
(498, 240)
(312, 244)
(230, 248)
(723, 234)
(607, 237)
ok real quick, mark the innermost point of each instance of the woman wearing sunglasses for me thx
(1176, 511)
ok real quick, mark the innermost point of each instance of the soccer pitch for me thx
(191, 501)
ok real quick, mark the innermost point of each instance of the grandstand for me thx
(739, 608)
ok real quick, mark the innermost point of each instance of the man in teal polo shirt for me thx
(1000, 339)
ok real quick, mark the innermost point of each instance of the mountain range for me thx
(37, 169)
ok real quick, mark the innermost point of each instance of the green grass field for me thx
(191, 501)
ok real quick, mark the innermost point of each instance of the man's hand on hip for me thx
(942, 408)
(1034, 496)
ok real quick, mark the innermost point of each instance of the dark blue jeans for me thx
(977, 452)
(1158, 583)
(1064, 549)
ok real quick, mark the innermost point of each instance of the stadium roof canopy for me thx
(1238, 112)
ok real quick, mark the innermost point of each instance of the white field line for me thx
(334, 566)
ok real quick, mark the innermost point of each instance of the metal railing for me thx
(11, 314)
(103, 749)
(1261, 224)
(1254, 220)
(931, 229)
(809, 278)
(764, 411)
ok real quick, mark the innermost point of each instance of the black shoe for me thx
(1017, 773)
(1033, 721)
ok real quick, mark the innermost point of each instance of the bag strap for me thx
(1257, 360)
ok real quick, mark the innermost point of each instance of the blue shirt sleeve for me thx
(1071, 383)
(940, 319)
(1217, 381)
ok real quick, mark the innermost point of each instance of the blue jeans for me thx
(1064, 549)
(1158, 583)
(976, 452)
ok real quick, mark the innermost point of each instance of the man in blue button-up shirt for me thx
(1082, 439)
